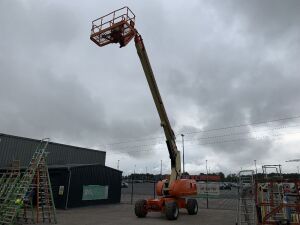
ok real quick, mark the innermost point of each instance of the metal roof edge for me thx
(54, 143)
(70, 166)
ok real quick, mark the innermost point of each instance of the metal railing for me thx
(104, 22)
(145, 189)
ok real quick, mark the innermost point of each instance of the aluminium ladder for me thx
(246, 210)
(8, 180)
(41, 191)
(14, 197)
(45, 210)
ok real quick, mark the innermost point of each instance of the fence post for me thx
(206, 200)
(131, 189)
(154, 188)
(206, 191)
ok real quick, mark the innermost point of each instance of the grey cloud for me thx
(234, 62)
(272, 19)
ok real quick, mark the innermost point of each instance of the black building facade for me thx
(82, 185)
(20, 148)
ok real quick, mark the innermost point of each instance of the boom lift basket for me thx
(115, 27)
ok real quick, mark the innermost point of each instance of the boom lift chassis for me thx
(119, 27)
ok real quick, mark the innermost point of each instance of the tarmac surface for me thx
(124, 214)
(227, 199)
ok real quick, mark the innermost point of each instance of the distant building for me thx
(212, 178)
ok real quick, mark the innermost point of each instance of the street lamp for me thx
(160, 169)
(206, 185)
(182, 151)
(118, 163)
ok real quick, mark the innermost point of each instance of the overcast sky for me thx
(218, 64)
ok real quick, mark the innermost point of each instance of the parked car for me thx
(124, 185)
(225, 186)
(138, 181)
(234, 184)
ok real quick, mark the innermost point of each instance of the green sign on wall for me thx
(94, 192)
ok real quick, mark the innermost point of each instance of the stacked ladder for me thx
(45, 210)
(8, 180)
(246, 210)
(42, 192)
(13, 201)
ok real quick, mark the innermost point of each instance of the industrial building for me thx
(78, 175)
(20, 148)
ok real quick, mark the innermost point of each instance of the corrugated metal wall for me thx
(59, 177)
(19, 148)
(80, 176)
(94, 175)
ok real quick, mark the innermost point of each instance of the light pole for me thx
(160, 169)
(118, 163)
(255, 166)
(182, 151)
(132, 180)
(206, 185)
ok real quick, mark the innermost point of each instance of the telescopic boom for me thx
(164, 120)
(119, 27)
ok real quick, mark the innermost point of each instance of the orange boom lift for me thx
(119, 27)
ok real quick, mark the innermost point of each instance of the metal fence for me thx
(145, 189)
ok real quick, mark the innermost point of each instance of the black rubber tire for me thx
(140, 208)
(192, 206)
(172, 210)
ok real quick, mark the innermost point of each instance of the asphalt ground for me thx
(124, 214)
(227, 199)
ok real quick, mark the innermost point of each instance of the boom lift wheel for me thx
(172, 210)
(140, 208)
(192, 206)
